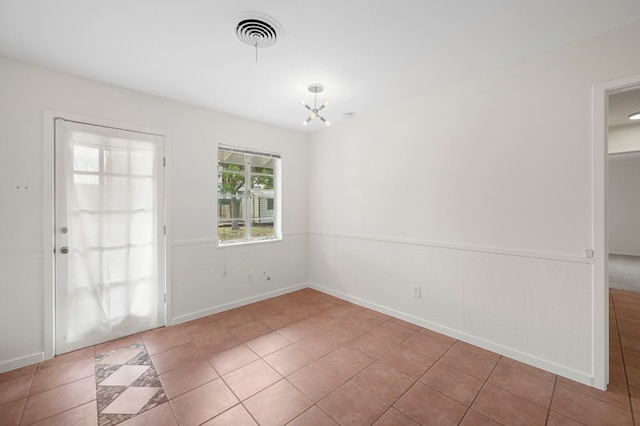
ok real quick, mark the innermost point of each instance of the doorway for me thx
(601, 93)
(109, 242)
(623, 198)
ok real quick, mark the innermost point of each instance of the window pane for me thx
(261, 164)
(116, 161)
(246, 193)
(86, 159)
(264, 230)
(231, 230)
(262, 217)
(142, 163)
(228, 160)
(230, 183)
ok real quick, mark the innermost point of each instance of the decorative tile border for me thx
(105, 395)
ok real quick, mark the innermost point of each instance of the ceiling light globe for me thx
(635, 116)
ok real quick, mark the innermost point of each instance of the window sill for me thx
(248, 243)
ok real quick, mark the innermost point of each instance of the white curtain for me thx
(111, 203)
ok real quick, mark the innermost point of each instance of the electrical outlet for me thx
(21, 187)
(416, 291)
(267, 277)
(249, 276)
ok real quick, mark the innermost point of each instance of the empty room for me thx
(335, 213)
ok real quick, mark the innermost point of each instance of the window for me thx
(248, 192)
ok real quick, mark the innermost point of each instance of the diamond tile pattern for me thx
(307, 358)
(127, 384)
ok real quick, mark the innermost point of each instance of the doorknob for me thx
(64, 250)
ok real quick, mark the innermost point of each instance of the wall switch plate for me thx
(416, 291)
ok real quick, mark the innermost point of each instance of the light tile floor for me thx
(307, 358)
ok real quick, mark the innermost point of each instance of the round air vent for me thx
(258, 30)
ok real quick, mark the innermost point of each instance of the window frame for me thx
(248, 195)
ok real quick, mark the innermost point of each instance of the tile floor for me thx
(307, 358)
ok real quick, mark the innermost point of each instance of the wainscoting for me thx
(536, 308)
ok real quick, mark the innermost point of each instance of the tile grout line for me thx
(555, 385)
(377, 359)
(624, 364)
(484, 384)
(26, 400)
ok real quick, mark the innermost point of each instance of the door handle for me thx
(64, 250)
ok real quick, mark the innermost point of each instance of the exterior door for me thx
(109, 234)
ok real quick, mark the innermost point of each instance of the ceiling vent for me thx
(258, 30)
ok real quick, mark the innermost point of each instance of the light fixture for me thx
(315, 89)
(635, 116)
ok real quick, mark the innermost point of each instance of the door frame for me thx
(48, 215)
(600, 93)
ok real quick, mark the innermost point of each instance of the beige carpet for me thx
(624, 272)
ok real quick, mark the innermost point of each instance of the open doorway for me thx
(602, 93)
(623, 196)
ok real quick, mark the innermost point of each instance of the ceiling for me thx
(367, 54)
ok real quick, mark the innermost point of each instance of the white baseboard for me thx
(457, 334)
(21, 362)
(624, 254)
(236, 304)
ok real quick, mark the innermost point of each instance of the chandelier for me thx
(315, 111)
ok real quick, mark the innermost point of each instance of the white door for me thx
(109, 232)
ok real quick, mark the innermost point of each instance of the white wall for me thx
(481, 193)
(624, 138)
(624, 204)
(198, 286)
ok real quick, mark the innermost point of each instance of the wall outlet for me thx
(249, 276)
(21, 187)
(416, 291)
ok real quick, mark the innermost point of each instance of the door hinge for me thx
(165, 230)
(164, 161)
(165, 298)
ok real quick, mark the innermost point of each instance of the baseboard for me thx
(236, 304)
(21, 362)
(459, 335)
(625, 254)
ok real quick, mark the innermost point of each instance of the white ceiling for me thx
(367, 53)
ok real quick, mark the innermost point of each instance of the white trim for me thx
(204, 241)
(491, 250)
(519, 356)
(168, 307)
(15, 363)
(600, 285)
(236, 304)
(21, 257)
(48, 232)
(194, 242)
(250, 151)
(48, 211)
